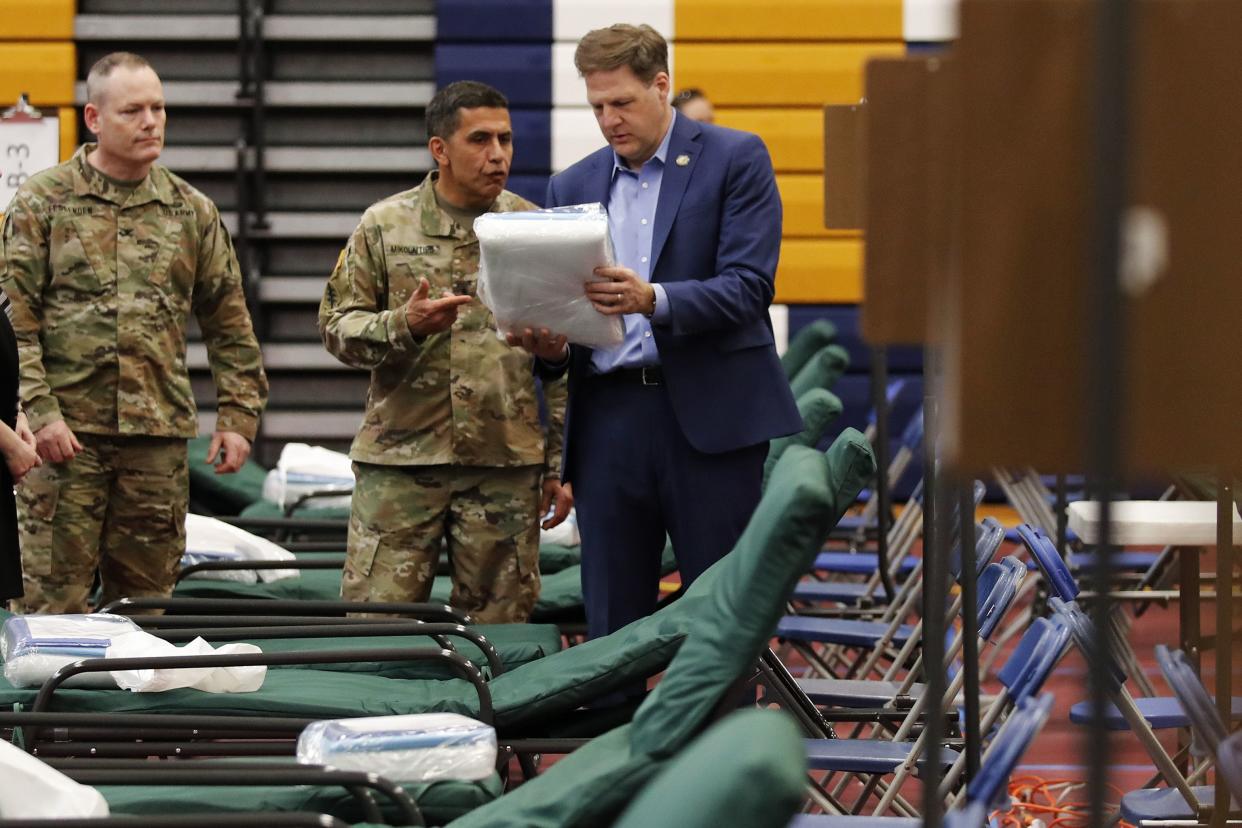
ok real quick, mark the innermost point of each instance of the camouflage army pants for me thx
(119, 505)
(486, 518)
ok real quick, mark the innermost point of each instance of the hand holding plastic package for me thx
(421, 747)
(208, 679)
(36, 646)
(30, 789)
(532, 267)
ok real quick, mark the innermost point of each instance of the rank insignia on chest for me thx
(414, 249)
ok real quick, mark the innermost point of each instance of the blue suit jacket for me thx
(714, 249)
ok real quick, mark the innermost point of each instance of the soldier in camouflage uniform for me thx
(104, 258)
(451, 451)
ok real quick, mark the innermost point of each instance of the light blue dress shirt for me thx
(632, 204)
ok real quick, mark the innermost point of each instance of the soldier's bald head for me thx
(97, 78)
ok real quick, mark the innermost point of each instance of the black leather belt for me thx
(647, 375)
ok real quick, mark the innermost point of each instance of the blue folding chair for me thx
(810, 634)
(987, 792)
(893, 755)
(1207, 734)
(1229, 764)
(1150, 803)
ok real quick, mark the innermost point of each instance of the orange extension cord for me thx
(1038, 801)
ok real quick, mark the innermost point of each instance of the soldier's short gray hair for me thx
(444, 111)
(105, 66)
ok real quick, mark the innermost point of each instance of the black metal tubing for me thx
(970, 626)
(315, 495)
(263, 606)
(1224, 628)
(460, 665)
(258, 112)
(293, 819)
(1104, 307)
(154, 721)
(262, 748)
(935, 589)
(247, 566)
(287, 525)
(777, 677)
(557, 746)
(879, 401)
(126, 772)
(439, 632)
(228, 622)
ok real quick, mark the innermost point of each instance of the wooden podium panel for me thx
(909, 191)
(844, 134)
(1021, 364)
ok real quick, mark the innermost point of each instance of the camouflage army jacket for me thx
(102, 284)
(461, 396)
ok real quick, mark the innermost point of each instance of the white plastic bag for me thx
(564, 533)
(30, 789)
(420, 747)
(36, 646)
(208, 679)
(532, 267)
(208, 539)
(304, 468)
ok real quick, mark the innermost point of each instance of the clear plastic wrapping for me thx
(208, 539)
(422, 747)
(532, 267)
(303, 469)
(36, 646)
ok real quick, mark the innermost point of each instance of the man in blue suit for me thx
(668, 431)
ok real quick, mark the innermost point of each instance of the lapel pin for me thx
(683, 160)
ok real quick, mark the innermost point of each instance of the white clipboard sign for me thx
(28, 143)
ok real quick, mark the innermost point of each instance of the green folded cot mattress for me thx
(516, 644)
(560, 593)
(440, 802)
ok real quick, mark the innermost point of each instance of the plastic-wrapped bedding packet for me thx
(208, 539)
(303, 469)
(421, 747)
(36, 646)
(532, 267)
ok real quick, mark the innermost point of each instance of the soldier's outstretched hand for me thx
(56, 443)
(428, 316)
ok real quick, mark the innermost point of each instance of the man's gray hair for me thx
(105, 66)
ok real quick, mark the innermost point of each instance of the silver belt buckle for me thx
(653, 381)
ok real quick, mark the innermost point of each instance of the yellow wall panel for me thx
(45, 70)
(36, 19)
(795, 137)
(818, 271)
(793, 74)
(803, 199)
(790, 20)
(68, 117)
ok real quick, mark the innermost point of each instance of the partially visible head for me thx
(694, 105)
(125, 111)
(626, 73)
(471, 140)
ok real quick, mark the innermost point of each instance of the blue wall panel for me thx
(533, 187)
(522, 72)
(532, 141)
(494, 20)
